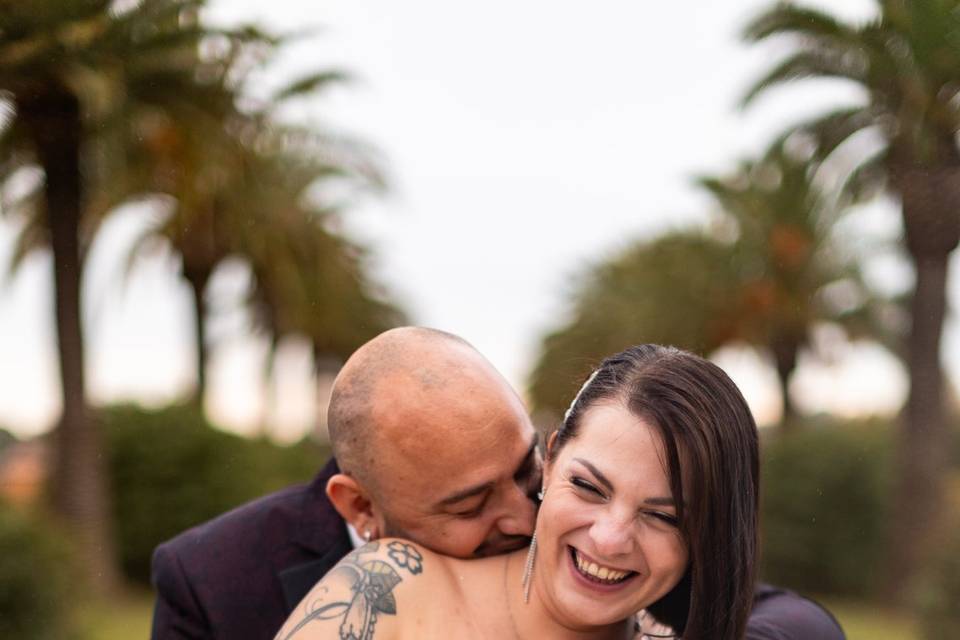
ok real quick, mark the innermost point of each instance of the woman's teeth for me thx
(598, 573)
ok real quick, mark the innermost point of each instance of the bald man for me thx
(433, 445)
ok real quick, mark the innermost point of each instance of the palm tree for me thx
(787, 260)
(765, 275)
(319, 288)
(67, 68)
(238, 183)
(310, 280)
(218, 164)
(907, 60)
(192, 159)
(665, 290)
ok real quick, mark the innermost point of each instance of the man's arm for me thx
(177, 614)
(779, 614)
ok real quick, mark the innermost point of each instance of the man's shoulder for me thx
(274, 519)
(781, 614)
(225, 577)
(242, 521)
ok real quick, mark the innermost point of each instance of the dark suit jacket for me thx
(779, 614)
(240, 575)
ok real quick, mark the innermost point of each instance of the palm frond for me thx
(46, 17)
(310, 84)
(807, 23)
(33, 236)
(833, 128)
(868, 179)
(813, 63)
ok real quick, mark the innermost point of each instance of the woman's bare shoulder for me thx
(366, 593)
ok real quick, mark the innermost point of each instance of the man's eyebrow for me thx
(469, 492)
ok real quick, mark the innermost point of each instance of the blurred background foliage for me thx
(829, 533)
(105, 103)
(152, 498)
(38, 577)
(108, 103)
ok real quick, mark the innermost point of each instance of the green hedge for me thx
(169, 470)
(826, 496)
(37, 580)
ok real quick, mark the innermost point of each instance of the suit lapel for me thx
(299, 579)
(321, 534)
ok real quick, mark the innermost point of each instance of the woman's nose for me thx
(612, 536)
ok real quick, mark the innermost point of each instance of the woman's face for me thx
(607, 535)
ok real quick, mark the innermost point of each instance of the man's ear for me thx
(353, 503)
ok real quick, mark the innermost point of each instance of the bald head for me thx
(433, 444)
(388, 384)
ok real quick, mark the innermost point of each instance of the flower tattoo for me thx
(406, 556)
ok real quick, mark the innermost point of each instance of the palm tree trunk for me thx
(197, 279)
(931, 213)
(79, 482)
(270, 390)
(785, 351)
(923, 436)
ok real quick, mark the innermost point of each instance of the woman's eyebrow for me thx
(602, 479)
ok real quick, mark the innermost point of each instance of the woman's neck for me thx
(534, 619)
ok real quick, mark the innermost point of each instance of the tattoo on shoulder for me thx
(371, 590)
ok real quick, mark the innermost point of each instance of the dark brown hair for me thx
(710, 443)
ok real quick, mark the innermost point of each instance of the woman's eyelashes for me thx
(585, 486)
(664, 517)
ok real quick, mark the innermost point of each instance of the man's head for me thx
(433, 445)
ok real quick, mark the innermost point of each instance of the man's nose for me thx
(519, 513)
(612, 536)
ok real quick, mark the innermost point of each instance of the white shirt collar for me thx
(355, 538)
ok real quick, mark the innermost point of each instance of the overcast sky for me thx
(524, 141)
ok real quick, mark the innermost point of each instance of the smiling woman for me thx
(649, 515)
(610, 541)
(694, 469)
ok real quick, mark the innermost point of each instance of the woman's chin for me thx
(587, 602)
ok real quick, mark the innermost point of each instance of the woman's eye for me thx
(580, 483)
(664, 517)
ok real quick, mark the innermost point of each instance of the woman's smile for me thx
(597, 575)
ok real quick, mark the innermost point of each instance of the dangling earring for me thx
(531, 556)
(366, 536)
(528, 569)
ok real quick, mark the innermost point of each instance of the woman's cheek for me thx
(669, 551)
